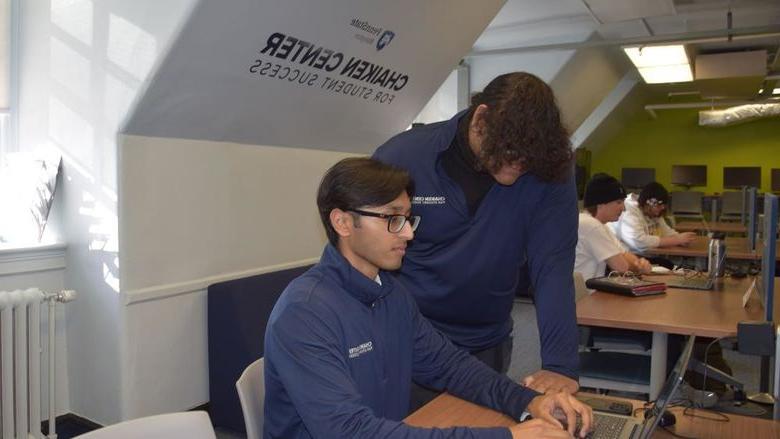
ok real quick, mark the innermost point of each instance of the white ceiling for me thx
(528, 25)
(615, 19)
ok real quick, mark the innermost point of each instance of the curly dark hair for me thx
(523, 123)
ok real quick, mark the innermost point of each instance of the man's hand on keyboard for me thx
(552, 406)
(544, 381)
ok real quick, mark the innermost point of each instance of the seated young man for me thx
(345, 340)
(642, 226)
(597, 246)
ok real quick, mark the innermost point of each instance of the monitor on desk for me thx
(751, 216)
(734, 177)
(689, 175)
(775, 180)
(769, 233)
(637, 178)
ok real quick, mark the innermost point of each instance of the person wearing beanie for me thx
(597, 246)
(642, 226)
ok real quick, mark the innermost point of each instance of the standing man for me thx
(495, 185)
(597, 246)
(642, 226)
(345, 339)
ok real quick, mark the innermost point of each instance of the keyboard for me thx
(691, 283)
(606, 427)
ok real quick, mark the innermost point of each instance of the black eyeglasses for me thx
(395, 223)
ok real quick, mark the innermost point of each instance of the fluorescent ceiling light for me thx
(661, 64)
(774, 92)
(665, 74)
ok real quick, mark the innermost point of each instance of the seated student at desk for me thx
(345, 339)
(597, 246)
(642, 226)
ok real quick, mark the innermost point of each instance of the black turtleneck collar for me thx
(461, 164)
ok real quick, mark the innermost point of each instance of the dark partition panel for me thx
(238, 313)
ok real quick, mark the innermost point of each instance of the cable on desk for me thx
(718, 417)
(706, 354)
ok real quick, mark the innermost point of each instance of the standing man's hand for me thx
(538, 428)
(544, 381)
(562, 409)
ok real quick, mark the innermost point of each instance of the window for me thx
(8, 45)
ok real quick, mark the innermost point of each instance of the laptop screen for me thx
(675, 377)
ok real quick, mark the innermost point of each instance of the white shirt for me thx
(595, 244)
(638, 232)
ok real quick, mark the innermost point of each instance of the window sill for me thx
(31, 258)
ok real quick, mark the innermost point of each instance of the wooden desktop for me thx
(688, 312)
(449, 411)
(719, 226)
(736, 248)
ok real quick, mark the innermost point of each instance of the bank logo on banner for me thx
(385, 39)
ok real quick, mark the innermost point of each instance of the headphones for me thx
(667, 418)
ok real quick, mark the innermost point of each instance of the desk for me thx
(688, 312)
(736, 248)
(697, 226)
(449, 411)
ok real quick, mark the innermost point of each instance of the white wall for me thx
(42, 268)
(195, 213)
(444, 103)
(82, 64)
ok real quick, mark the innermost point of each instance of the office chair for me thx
(251, 392)
(687, 204)
(184, 425)
(731, 206)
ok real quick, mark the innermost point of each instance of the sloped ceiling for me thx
(306, 74)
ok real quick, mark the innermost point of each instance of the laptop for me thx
(692, 283)
(609, 426)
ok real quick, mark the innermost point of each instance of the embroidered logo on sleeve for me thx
(429, 200)
(361, 349)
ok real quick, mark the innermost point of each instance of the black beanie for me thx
(602, 189)
(655, 193)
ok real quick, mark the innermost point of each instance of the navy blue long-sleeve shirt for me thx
(463, 269)
(341, 352)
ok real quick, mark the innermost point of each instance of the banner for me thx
(327, 74)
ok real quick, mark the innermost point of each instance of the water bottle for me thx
(717, 254)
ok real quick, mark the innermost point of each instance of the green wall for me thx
(675, 138)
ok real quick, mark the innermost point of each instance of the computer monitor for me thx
(751, 216)
(637, 178)
(769, 255)
(689, 175)
(775, 180)
(737, 176)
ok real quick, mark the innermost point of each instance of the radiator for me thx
(20, 368)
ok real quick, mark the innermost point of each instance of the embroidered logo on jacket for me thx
(361, 349)
(429, 200)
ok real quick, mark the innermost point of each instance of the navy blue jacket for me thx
(463, 270)
(341, 352)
